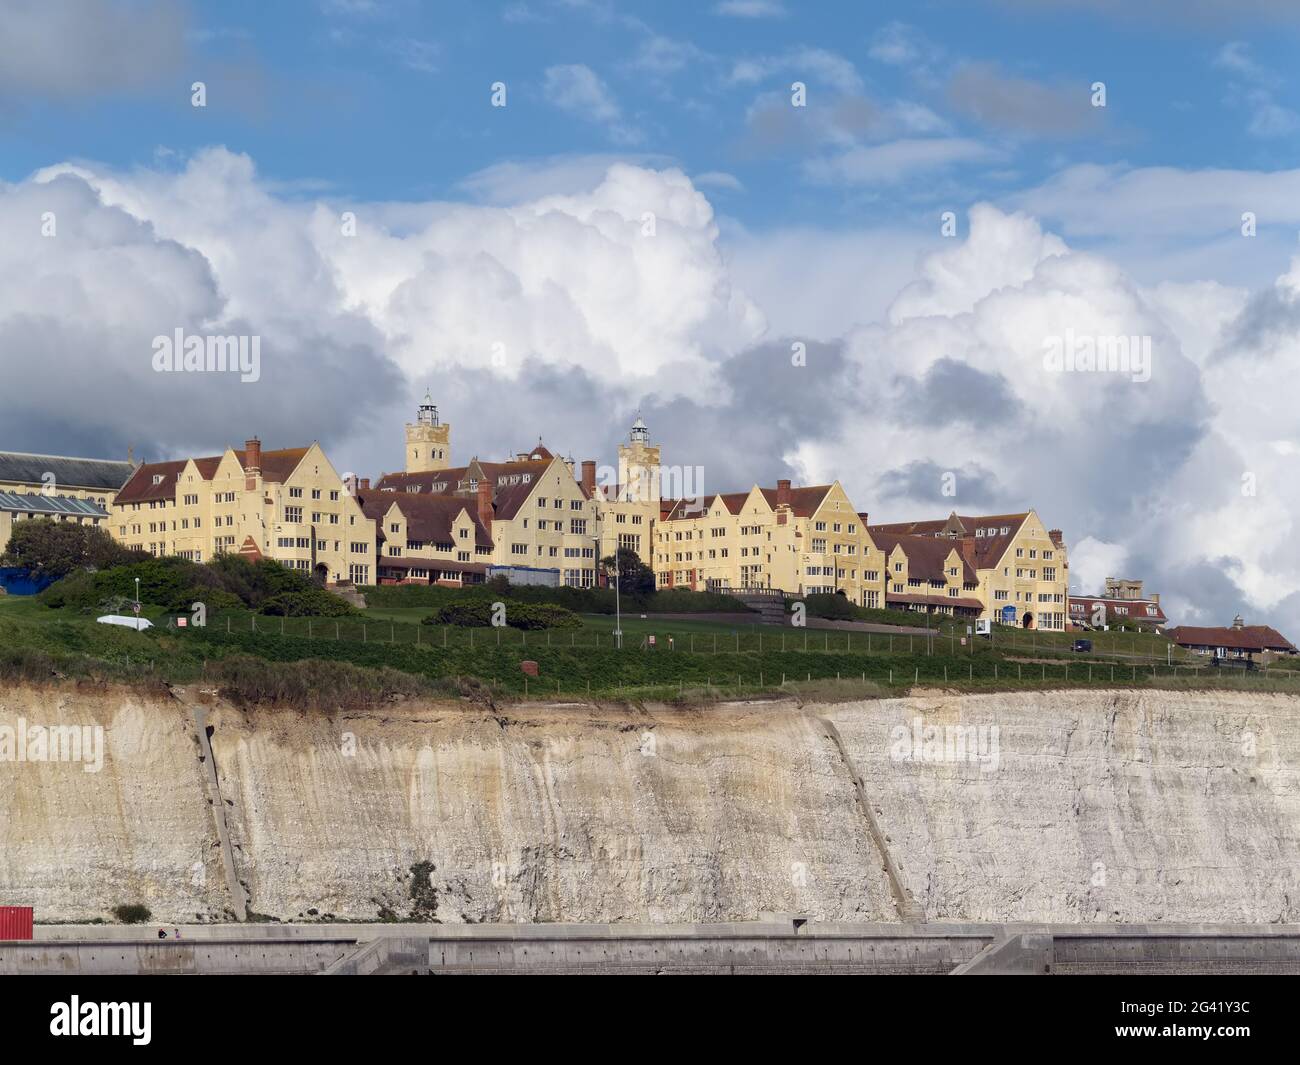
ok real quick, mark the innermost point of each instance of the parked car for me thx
(1083, 645)
(1247, 664)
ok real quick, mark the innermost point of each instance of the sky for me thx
(810, 240)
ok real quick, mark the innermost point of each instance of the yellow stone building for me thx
(538, 522)
(804, 541)
(1008, 568)
(289, 505)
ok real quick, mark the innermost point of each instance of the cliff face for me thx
(1055, 806)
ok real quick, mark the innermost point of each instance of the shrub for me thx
(132, 913)
(311, 683)
(479, 614)
(57, 548)
(307, 602)
(229, 582)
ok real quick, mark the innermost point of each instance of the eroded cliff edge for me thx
(1118, 805)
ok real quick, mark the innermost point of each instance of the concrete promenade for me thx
(770, 946)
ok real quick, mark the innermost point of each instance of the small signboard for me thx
(652, 640)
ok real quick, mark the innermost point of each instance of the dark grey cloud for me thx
(983, 92)
(92, 48)
(944, 489)
(952, 391)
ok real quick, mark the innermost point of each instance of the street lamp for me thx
(137, 604)
(618, 608)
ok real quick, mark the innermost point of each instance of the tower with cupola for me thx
(428, 441)
(638, 466)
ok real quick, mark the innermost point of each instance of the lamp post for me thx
(137, 604)
(618, 608)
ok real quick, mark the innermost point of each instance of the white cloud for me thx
(1254, 90)
(803, 63)
(750, 9)
(1092, 561)
(895, 161)
(577, 89)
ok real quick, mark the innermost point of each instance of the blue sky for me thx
(389, 99)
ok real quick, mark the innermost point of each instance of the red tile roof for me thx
(803, 501)
(428, 518)
(151, 480)
(987, 549)
(508, 479)
(1247, 638)
(1082, 606)
(926, 555)
(277, 467)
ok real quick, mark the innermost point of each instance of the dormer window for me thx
(157, 478)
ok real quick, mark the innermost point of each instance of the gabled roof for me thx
(503, 475)
(988, 542)
(803, 501)
(1247, 638)
(151, 480)
(926, 555)
(428, 518)
(1140, 609)
(102, 474)
(277, 467)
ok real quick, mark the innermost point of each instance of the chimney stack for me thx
(589, 477)
(782, 493)
(252, 463)
(364, 484)
(485, 504)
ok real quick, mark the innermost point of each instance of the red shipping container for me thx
(15, 922)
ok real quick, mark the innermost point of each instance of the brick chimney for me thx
(589, 477)
(485, 504)
(783, 493)
(252, 463)
(364, 484)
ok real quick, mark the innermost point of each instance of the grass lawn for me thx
(708, 659)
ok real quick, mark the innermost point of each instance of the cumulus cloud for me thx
(560, 314)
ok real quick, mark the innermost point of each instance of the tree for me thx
(56, 548)
(634, 576)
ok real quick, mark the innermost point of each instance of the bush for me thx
(229, 582)
(530, 616)
(311, 684)
(307, 602)
(132, 913)
(56, 548)
(580, 600)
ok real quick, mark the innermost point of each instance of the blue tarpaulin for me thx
(18, 581)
